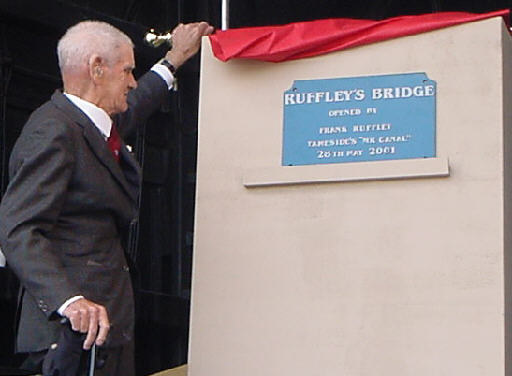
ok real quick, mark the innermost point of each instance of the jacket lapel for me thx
(99, 147)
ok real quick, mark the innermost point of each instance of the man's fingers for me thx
(84, 320)
(91, 318)
(191, 33)
(74, 319)
(92, 329)
(104, 326)
(204, 28)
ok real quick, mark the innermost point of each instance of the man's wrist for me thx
(176, 58)
(169, 65)
(63, 307)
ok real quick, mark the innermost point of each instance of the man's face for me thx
(117, 81)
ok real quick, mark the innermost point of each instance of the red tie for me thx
(114, 142)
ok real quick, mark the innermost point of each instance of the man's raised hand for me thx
(186, 40)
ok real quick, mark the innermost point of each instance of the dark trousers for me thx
(113, 361)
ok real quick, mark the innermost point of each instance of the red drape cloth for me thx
(305, 39)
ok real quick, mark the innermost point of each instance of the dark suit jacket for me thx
(64, 211)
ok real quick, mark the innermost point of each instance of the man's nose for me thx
(133, 82)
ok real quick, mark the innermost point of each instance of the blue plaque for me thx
(359, 119)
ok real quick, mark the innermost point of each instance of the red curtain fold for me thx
(305, 39)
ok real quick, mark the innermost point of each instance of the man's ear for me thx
(96, 65)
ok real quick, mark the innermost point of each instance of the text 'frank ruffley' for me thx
(355, 128)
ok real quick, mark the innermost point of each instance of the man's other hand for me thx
(186, 40)
(91, 318)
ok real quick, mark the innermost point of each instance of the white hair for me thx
(86, 38)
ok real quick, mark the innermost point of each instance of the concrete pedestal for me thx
(376, 268)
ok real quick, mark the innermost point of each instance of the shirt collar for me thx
(98, 116)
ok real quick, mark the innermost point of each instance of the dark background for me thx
(161, 246)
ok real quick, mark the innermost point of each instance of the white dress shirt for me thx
(97, 115)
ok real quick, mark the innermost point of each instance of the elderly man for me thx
(73, 192)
